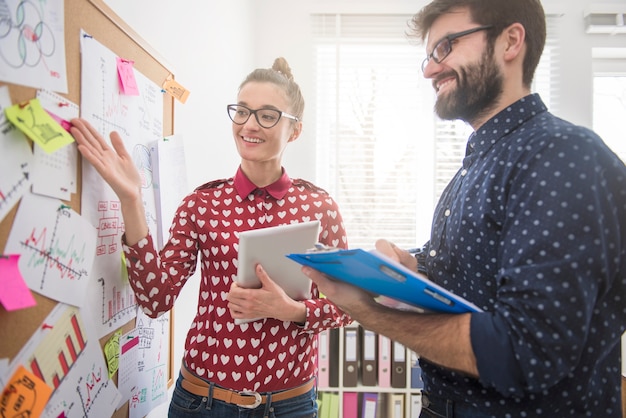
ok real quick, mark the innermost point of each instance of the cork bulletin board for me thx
(97, 19)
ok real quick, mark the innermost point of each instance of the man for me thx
(532, 229)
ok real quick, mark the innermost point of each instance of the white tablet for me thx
(269, 247)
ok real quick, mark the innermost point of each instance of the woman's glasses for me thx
(266, 118)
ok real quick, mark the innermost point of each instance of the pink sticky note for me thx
(15, 294)
(128, 84)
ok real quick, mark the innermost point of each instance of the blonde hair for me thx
(280, 75)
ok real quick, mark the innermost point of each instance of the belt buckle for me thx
(257, 399)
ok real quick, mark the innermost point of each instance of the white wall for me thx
(212, 45)
(207, 46)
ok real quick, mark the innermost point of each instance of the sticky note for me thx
(112, 353)
(126, 75)
(38, 125)
(25, 395)
(15, 293)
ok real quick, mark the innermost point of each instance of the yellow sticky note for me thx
(38, 125)
(112, 353)
(25, 395)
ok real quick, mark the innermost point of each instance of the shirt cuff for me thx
(495, 357)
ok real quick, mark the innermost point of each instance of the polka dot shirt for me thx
(533, 230)
(264, 355)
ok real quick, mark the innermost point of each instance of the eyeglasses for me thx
(266, 118)
(443, 48)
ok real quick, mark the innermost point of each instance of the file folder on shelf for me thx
(351, 356)
(381, 275)
(333, 357)
(384, 361)
(369, 405)
(395, 406)
(416, 405)
(350, 405)
(323, 365)
(416, 372)
(369, 368)
(398, 365)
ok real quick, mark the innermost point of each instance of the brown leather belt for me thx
(246, 399)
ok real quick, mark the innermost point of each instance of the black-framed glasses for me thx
(443, 48)
(266, 118)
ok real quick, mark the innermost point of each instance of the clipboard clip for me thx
(322, 248)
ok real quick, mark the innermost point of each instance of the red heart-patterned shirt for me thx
(264, 355)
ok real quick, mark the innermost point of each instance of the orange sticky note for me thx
(126, 75)
(25, 395)
(15, 294)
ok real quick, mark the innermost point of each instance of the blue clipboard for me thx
(381, 275)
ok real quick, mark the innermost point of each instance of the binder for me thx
(381, 275)
(398, 365)
(395, 407)
(334, 355)
(351, 356)
(416, 372)
(350, 405)
(369, 367)
(416, 405)
(369, 405)
(333, 410)
(323, 365)
(329, 405)
(384, 361)
(324, 405)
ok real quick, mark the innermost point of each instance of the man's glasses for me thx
(266, 118)
(443, 48)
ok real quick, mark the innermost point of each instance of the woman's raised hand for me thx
(115, 165)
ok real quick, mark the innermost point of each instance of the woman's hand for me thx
(115, 165)
(269, 301)
(117, 168)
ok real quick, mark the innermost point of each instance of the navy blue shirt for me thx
(532, 229)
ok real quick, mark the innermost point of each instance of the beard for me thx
(478, 88)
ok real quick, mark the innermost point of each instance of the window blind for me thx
(382, 153)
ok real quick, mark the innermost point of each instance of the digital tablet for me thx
(268, 247)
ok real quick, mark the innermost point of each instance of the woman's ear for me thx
(297, 130)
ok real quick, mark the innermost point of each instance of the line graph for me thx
(51, 257)
(57, 248)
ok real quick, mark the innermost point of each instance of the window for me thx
(382, 153)
(609, 96)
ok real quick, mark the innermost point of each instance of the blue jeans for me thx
(188, 405)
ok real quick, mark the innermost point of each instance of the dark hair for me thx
(280, 75)
(498, 13)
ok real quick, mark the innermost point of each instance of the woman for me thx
(266, 366)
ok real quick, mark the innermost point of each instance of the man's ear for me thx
(297, 130)
(514, 40)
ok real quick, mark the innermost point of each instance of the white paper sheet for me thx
(139, 120)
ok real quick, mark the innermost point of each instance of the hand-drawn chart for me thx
(32, 47)
(57, 248)
(153, 346)
(16, 159)
(139, 120)
(65, 354)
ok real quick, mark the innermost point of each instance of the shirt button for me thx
(447, 212)
(432, 253)
(463, 172)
